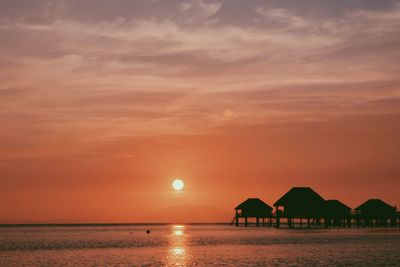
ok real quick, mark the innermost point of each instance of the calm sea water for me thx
(196, 245)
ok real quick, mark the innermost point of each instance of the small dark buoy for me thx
(147, 231)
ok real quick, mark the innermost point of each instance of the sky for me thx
(104, 103)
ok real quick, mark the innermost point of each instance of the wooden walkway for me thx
(352, 221)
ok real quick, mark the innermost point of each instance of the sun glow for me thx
(178, 185)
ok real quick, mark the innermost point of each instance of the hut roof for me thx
(376, 207)
(300, 196)
(335, 207)
(254, 204)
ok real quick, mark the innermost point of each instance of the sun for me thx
(178, 185)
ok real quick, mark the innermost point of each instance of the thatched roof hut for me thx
(336, 208)
(376, 207)
(254, 207)
(301, 202)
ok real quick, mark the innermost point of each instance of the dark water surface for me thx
(196, 245)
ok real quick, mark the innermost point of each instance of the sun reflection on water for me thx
(178, 232)
(178, 251)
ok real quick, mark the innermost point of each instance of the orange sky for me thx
(103, 104)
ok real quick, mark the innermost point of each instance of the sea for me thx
(196, 245)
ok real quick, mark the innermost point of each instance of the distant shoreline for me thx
(27, 225)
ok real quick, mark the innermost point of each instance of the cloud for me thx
(198, 9)
(185, 66)
(282, 17)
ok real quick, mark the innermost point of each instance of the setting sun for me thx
(199, 132)
(178, 185)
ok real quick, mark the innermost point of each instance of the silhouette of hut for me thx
(301, 202)
(337, 212)
(335, 208)
(376, 208)
(253, 207)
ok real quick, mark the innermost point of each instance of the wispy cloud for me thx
(180, 71)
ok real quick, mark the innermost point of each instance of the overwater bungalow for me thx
(337, 213)
(302, 204)
(253, 208)
(375, 212)
(299, 203)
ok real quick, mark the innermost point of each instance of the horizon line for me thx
(5, 225)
